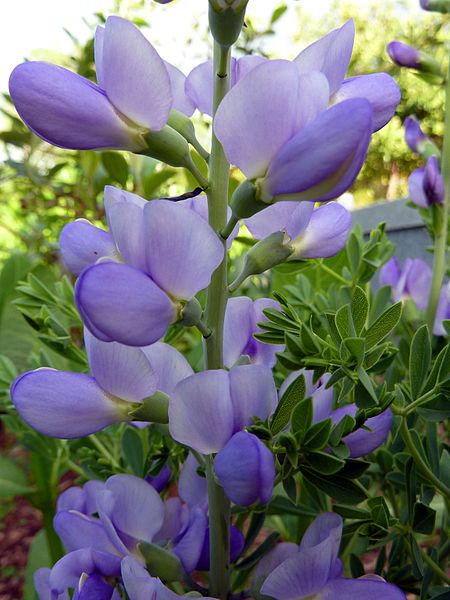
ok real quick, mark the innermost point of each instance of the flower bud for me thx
(407, 56)
(433, 184)
(418, 141)
(244, 202)
(442, 6)
(190, 313)
(169, 146)
(226, 18)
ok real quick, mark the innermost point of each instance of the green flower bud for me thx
(442, 6)
(226, 19)
(244, 202)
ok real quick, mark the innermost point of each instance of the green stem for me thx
(107, 455)
(435, 568)
(216, 301)
(440, 219)
(420, 463)
(333, 274)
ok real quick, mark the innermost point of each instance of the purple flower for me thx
(433, 184)
(412, 281)
(313, 233)
(443, 310)
(237, 542)
(415, 188)
(361, 442)
(245, 468)
(135, 93)
(70, 405)
(169, 251)
(404, 55)
(241, 322)
(208, 408)
(414, 136)
(315, 571)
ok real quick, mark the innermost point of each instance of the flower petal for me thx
(417, 276)
(380, 89)
(364, 441)
(95, 588)
(181, 100)
(273, 559)
(189, 546)
(168, 364)
(390, 272)
(137, 581)
(183, 251)
(191, 486)
(253, 394)
(134, 76)
(78, 531)
(201, 411)
(199, 85)
(330, 55)
(355, 589)
(64, 405)
(322, 160)
(290, 217)
(326, 527)
(245, 468)
(72, 499)
(67, 571)
(120, 303)
(138, 510)
(237, 328)
(326, 233)
(415, 188)
(67, 110)
(99, 38)
(122, 371)
(82, 244)
(258, 116)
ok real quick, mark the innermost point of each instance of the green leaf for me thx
(342, 490)
(359, 309)
(161, 563)
(367, 383)
(116, 166)
(269, 543)
(290, 487)
(383, 325)
(133, 451)
(291, 397)
(12, 479)
(419, 360)
(301, 418)
(424, 519)
(153, 181)
(350, 512)
(343, 322)
(318, 435)
(379, 511)
(279, 505)
(38, 558)
(416, 555)
(355, 346)
(324, 463)
(278, 13)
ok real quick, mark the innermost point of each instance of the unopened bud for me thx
(169, 146)
(244, 203)
(154, 409)
(190, 313)
(407, 56)
(442, 6)
(226, 19)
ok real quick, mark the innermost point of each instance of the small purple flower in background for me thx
(70, 405)
(443, 310)
(169, 251)
(314, 572)
(241, 322)
(412, 281)
(414, 136)
(135, 93)
(245, 468)
(208, 408)
(361, 442)
(313, 233)
(404, 55)
(426, 185)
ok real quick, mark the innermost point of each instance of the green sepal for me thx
(161, 563)
(154, 409)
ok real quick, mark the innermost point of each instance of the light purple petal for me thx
(322, 400)
(138, 510)
(64, 405)
(137, 581)
(418, 276)
(120, 303)
(168, 364)
(364, 441)
(443, 310)
(68, 110)
(99, 38)
(415, 188)
(201, 411)
(191, 486)
(327, 526)
(67, 571)
(176, 517)
(92, 489)
(308, 375)
(41, 580)
(326, 233)
(258, 116)
(390, 272)
(182, 249)
(253, 394)
(199, 85)
(72, 499)
(237, 328)
(181, 100)
(330, 55)
(122, 371)
(273, 559)
(380, 89)
(124, 212)
(324, 158)
(291, 217)
(78, 531)
(189, 546)
(134, 76)
(355, 589)
(82, 244)
(245, 468)
(245, 64)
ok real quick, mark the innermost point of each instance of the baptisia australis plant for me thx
(230, 447)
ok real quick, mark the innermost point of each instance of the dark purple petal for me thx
(324, 158)
(404, 55)
(123, 371)
(201, 411)
(160, 481)
(330, 55)
(134, 76)
(364, 441)
(182, 249)
(68, 110)
(82, 244)
(414, 135)
(95, 588)
(415, 188)
(64, 405)
(188, 546)
(326, 233)
(245, 468)
(380, 89)
(237, 542)
(168, 364)
(120, 303)
(138, 510)
(355, 589)
(433, 184)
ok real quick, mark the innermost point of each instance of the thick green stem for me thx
(217, 295)
(440, 220)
